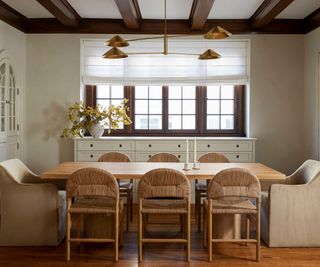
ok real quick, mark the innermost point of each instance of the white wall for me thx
(13, 46)
(311, 100)
(53, 82)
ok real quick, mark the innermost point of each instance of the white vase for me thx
(96, 130)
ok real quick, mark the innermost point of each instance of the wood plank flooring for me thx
(97, 255)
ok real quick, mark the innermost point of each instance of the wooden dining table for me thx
(226, 226)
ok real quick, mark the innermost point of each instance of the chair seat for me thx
(222, 207)
(94, 205)
(124, 186)
(164, 206)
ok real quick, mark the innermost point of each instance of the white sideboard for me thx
(142, 148)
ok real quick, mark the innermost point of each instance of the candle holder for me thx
(187, 167)
(196, 165)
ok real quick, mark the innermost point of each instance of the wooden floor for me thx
(158, 254)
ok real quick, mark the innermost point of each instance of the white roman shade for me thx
(231, 67)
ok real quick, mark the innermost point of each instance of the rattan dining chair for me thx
(201, 189)
(233, 191)
(125, 187)
(93, 191)
(163, 157)
(164, 191)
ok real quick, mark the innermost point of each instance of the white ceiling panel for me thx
(154, 9)
(96, 8)
(234, 9)
(299, 9)
(30, 8)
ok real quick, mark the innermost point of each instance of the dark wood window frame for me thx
(201, 117)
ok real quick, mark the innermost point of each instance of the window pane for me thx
(155, 106)
(227, 107)
(227, 91)
(227, 122)
(174, 107)
(116, 102)
(189, 106)
(174, 122)
(175, 92)
(141, 92)
(103, 103)
(213, 92)
(103, 91)
(117, 91)
(155, 92)
(141, 122)
(189, 122)
(213, 107)
(189, 92)
(141, 106)
(213, 122)
(155, 122)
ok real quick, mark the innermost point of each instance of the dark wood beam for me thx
(63, 11)
(199, 13)
(13, 17)
(312, 21)
(116, 26)
(267, 11)
(129, 13)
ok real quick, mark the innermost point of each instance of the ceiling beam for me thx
(13, 17)
(199, 13)
(312, 21)
(116, 26)
(130, 12)
(267, 11)
(63, 11)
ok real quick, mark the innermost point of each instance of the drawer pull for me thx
(179, 145)
(149, 156)
(91, 156)
(237, 145)
(237, 156)
(120, 145)
(91, 145)
(208, 146)
(179, 156)
(150, 145)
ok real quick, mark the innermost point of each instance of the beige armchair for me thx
(290, 211)
(32, 211)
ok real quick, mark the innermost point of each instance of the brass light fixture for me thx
(117, 41)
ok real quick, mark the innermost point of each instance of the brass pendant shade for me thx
(209, 54)
(217, 33)
(117, 41)
(114, 53)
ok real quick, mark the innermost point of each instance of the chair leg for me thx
(196, 204)
(209, 236)
(128, 210)
(247, 228)
(258, 234)
(140, 227)
(68, 225)
(188, 232)
(199, 212)
(116, 233)
(131, 205)
(204, 228)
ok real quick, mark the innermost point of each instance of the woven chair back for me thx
(114, 157)
(164, 157)
(213, 157)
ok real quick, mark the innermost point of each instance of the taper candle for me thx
(187, 156)
(195, 151)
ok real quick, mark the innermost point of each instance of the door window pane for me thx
(189, 107)
(227, 107)
(155, 122)
(213, 122)
(188, 122)
(155, 106)
(227, 122)
(174, 107)
(174, 122)
(141, 106)
(141, 122)
(227, 91)
(141, 92)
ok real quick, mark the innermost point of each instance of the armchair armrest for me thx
(266, 183)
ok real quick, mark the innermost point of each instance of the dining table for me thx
(225, 226)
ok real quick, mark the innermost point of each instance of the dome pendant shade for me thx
(114, 53)
(209, 54)
(217, 33)
(117, 41)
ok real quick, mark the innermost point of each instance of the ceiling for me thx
(197, 13)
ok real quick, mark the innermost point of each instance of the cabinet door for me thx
(3, 85)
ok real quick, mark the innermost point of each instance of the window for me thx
(215, 110)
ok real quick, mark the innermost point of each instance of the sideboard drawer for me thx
(162, 146)
(146, 156)
(95, 155)
(106, 145)
(224, 146)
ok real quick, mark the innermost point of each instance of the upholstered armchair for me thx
(32, 211)
(290, 211)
